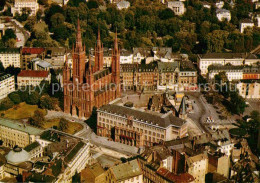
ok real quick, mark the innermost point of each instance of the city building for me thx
(187, 78)
(40, 65)
(232, 72)
(32, 78)
(13, 133)
(138, 128)
(123, 5)
(124, 172)
(205, 4)
(219, 4)
(251, 72)
(90, 86)
(35, 150)
(7, 85)
(28, 54)
(126, 57)
(198, 167)
(235, 59)
(19, 5)
(245, 23)
(56, 56)
(223, 14)
(10, 57)
(161, 165)
(250, 89)
(177, 7)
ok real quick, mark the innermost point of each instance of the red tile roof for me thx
(30, 73)
(183, 177)
(32, 50)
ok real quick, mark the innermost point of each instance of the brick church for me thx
(90, 84)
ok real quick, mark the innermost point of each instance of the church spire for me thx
(78, 39)
(116, 44)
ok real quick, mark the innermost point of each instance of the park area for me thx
(26, 111)
(21, 111)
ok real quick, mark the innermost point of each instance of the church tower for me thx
(98, 54)
(116, 67)
(79, 57)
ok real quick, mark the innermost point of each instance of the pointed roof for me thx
(116, 43)
(78, 38)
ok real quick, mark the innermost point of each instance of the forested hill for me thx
(151, 23)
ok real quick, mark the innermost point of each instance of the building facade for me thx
(32, 78)
(13, 133)
(223, 14)
(138, 128)
(7, 85)
(177, 7)
(28, 54)
(86, 87)
(249, 89)
(20, 4)
(246, 23)
(10, 57)
(235, 59)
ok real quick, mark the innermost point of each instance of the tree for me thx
(39, 15)
(6, 104)
(57, 19)
(166, 13)
(2, 4)
(37, 119)
(63, 125)
(76, 177)
(33, 98)
(46, 102)
(30, 23)
(2, 69)
(216, 40)
(15, 97)
(9, 34)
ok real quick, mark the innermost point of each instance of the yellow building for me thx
(14, 133)
(7, 85)
(138, 128)
(10, 57)
(32, 78)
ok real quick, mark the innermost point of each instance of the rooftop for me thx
(4, 76)
(32, 146)
(28, 51)
(19, 126)
(150, 118)
(9, 50)
(183, 177)
(126, 170)
(223, 55)
(31, 73)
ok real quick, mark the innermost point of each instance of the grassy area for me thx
(21, 111)
(40, 26)
(73, 127)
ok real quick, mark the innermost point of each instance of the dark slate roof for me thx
(32, 146)
(9, 50)
(163, 120)
(167, 66)
(187, 66)
(246, 21)
(223, 55)
(147, 67)
(128, 67)
(4, 76)
(224, 67)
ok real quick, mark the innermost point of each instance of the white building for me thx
(177, 6)
(10, 57)
(20, 4)
(220, 4)
(7, 85)
(246, 23)
(32, 78)
(232, 72)
(235, 59)
(257, 5)
(198, 167)
(223, 14)
(249, 90)
(257, 20)
(126, 57)
(123, 5)
(206, 4)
